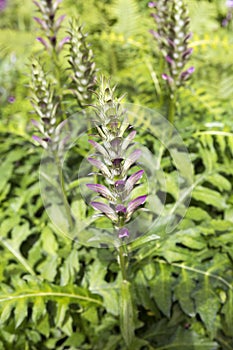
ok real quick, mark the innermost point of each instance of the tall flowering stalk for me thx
(116, 138)
(173, 36)
(48, 128)
(82, 65)
(114, 167)
(50, 25)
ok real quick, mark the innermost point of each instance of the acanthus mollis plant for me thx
(50, 25)
(116, 138)
(49, 130)
(115, 162)
(172, 20)
(82, 65)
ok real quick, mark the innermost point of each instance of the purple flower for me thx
(3, 4)
(102, 190)
(41, 23)
(229, 3)
(62, 43)
(133, 157)
(123, 232)
(101, 166)
(121, 209)
(151, 4)
(169, 60)
(99, 148)
(186, 74)
(11, 99)
(106, 210)
(43, 42)
(120, 185)
(132, 206)
(133, 179)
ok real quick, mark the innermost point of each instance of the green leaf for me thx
(219, 181)
(161, 289)
(183, 291)
(209, 197)
(227, 310)
(6, 312)
(39, 309)
(126, 313)
(21, 312)
(207, 305)
(49, 242)
(197, 214)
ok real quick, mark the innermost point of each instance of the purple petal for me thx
(117, 162)
(128, 139)
(99, 148)
(42, 142)
(38, 5)
(123, 232)
(102, 190)
(187, 53)
(186, 74)
(62, 43)
(169, 60)
(11, 99)
(120, 185)
(133, 179)
(121, 209)
(59, 21)
(229, 3)
(43, 42)
(188, 36)
(154, 33)
(105, 209)
(61, 126)
(136, 203)
(171, 43)
(41, 23)
(101, 166)
(133, 157)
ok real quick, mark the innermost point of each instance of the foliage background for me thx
(57, 294)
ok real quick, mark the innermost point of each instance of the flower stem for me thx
(171, 108)
(122, 254)
(63, 192)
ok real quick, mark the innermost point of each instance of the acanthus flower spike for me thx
(117, 136)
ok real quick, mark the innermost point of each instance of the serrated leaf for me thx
(21, 312)
(197, 214)
(49, 242)
(6, 312)
(219, 181)
(161, 289)
(227, 310)
(183, 291)
(60, 314)
(209, 197)
(39, 309)
(207, 305)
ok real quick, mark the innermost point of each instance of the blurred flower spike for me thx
(114, 167)
(50, 25)
(3, 4)
(172, 34)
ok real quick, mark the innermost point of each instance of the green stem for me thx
(122, 253)
(172, 108)
(63, 191)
